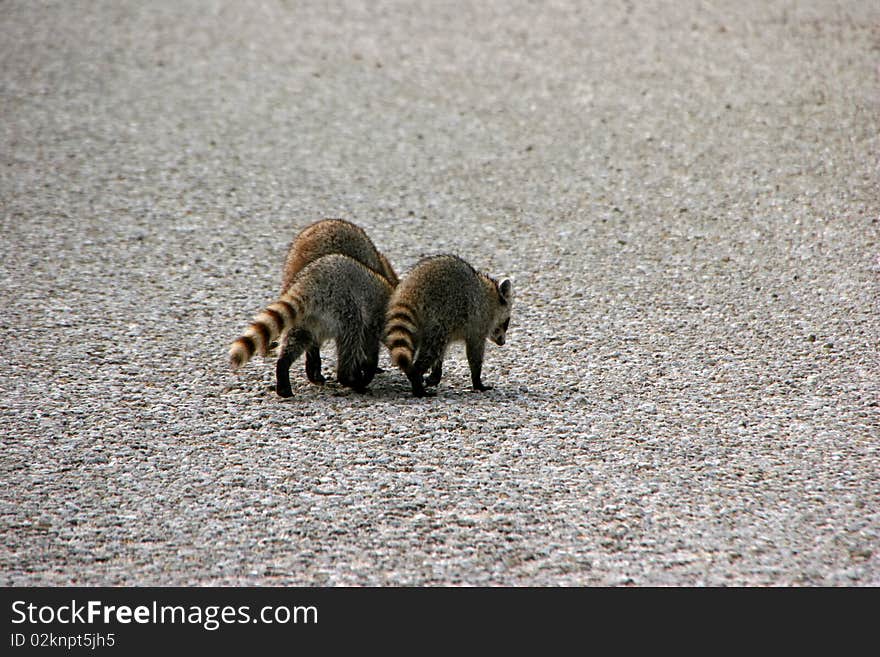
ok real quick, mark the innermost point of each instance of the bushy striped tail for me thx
(400, 331)
(275, 319)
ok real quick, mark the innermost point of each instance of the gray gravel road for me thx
(685, 193)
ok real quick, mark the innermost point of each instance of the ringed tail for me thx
(266, 327)
(401, 327)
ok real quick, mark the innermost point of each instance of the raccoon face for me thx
(499, 333)
(505, 298)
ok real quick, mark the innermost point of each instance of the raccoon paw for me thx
(358, 384)
(482, 388)
(313, 370)
(284, 391)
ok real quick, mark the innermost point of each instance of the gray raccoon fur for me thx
(334, 297)
(323, 238)
(443, 300)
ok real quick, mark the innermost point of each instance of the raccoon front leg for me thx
(371, 366)
(350, 371)
(291, 349)
(475, 350)
(358, 377)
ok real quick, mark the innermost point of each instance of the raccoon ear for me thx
(505, 290)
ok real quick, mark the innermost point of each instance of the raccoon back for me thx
(443, 299)
(330, 236)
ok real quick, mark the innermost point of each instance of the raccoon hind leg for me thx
(313, 357)
(430, 358)
(417, 382)
(436, 374)
(290, 349)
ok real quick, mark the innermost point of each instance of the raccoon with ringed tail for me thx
(443, 300)
(323, 238)
(334, 297)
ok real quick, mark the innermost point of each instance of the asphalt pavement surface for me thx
(685, 194)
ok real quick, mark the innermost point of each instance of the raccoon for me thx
(323, 238)
(334, 297)
(443, 300)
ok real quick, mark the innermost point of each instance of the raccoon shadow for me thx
(389, 386)
(388, 390)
